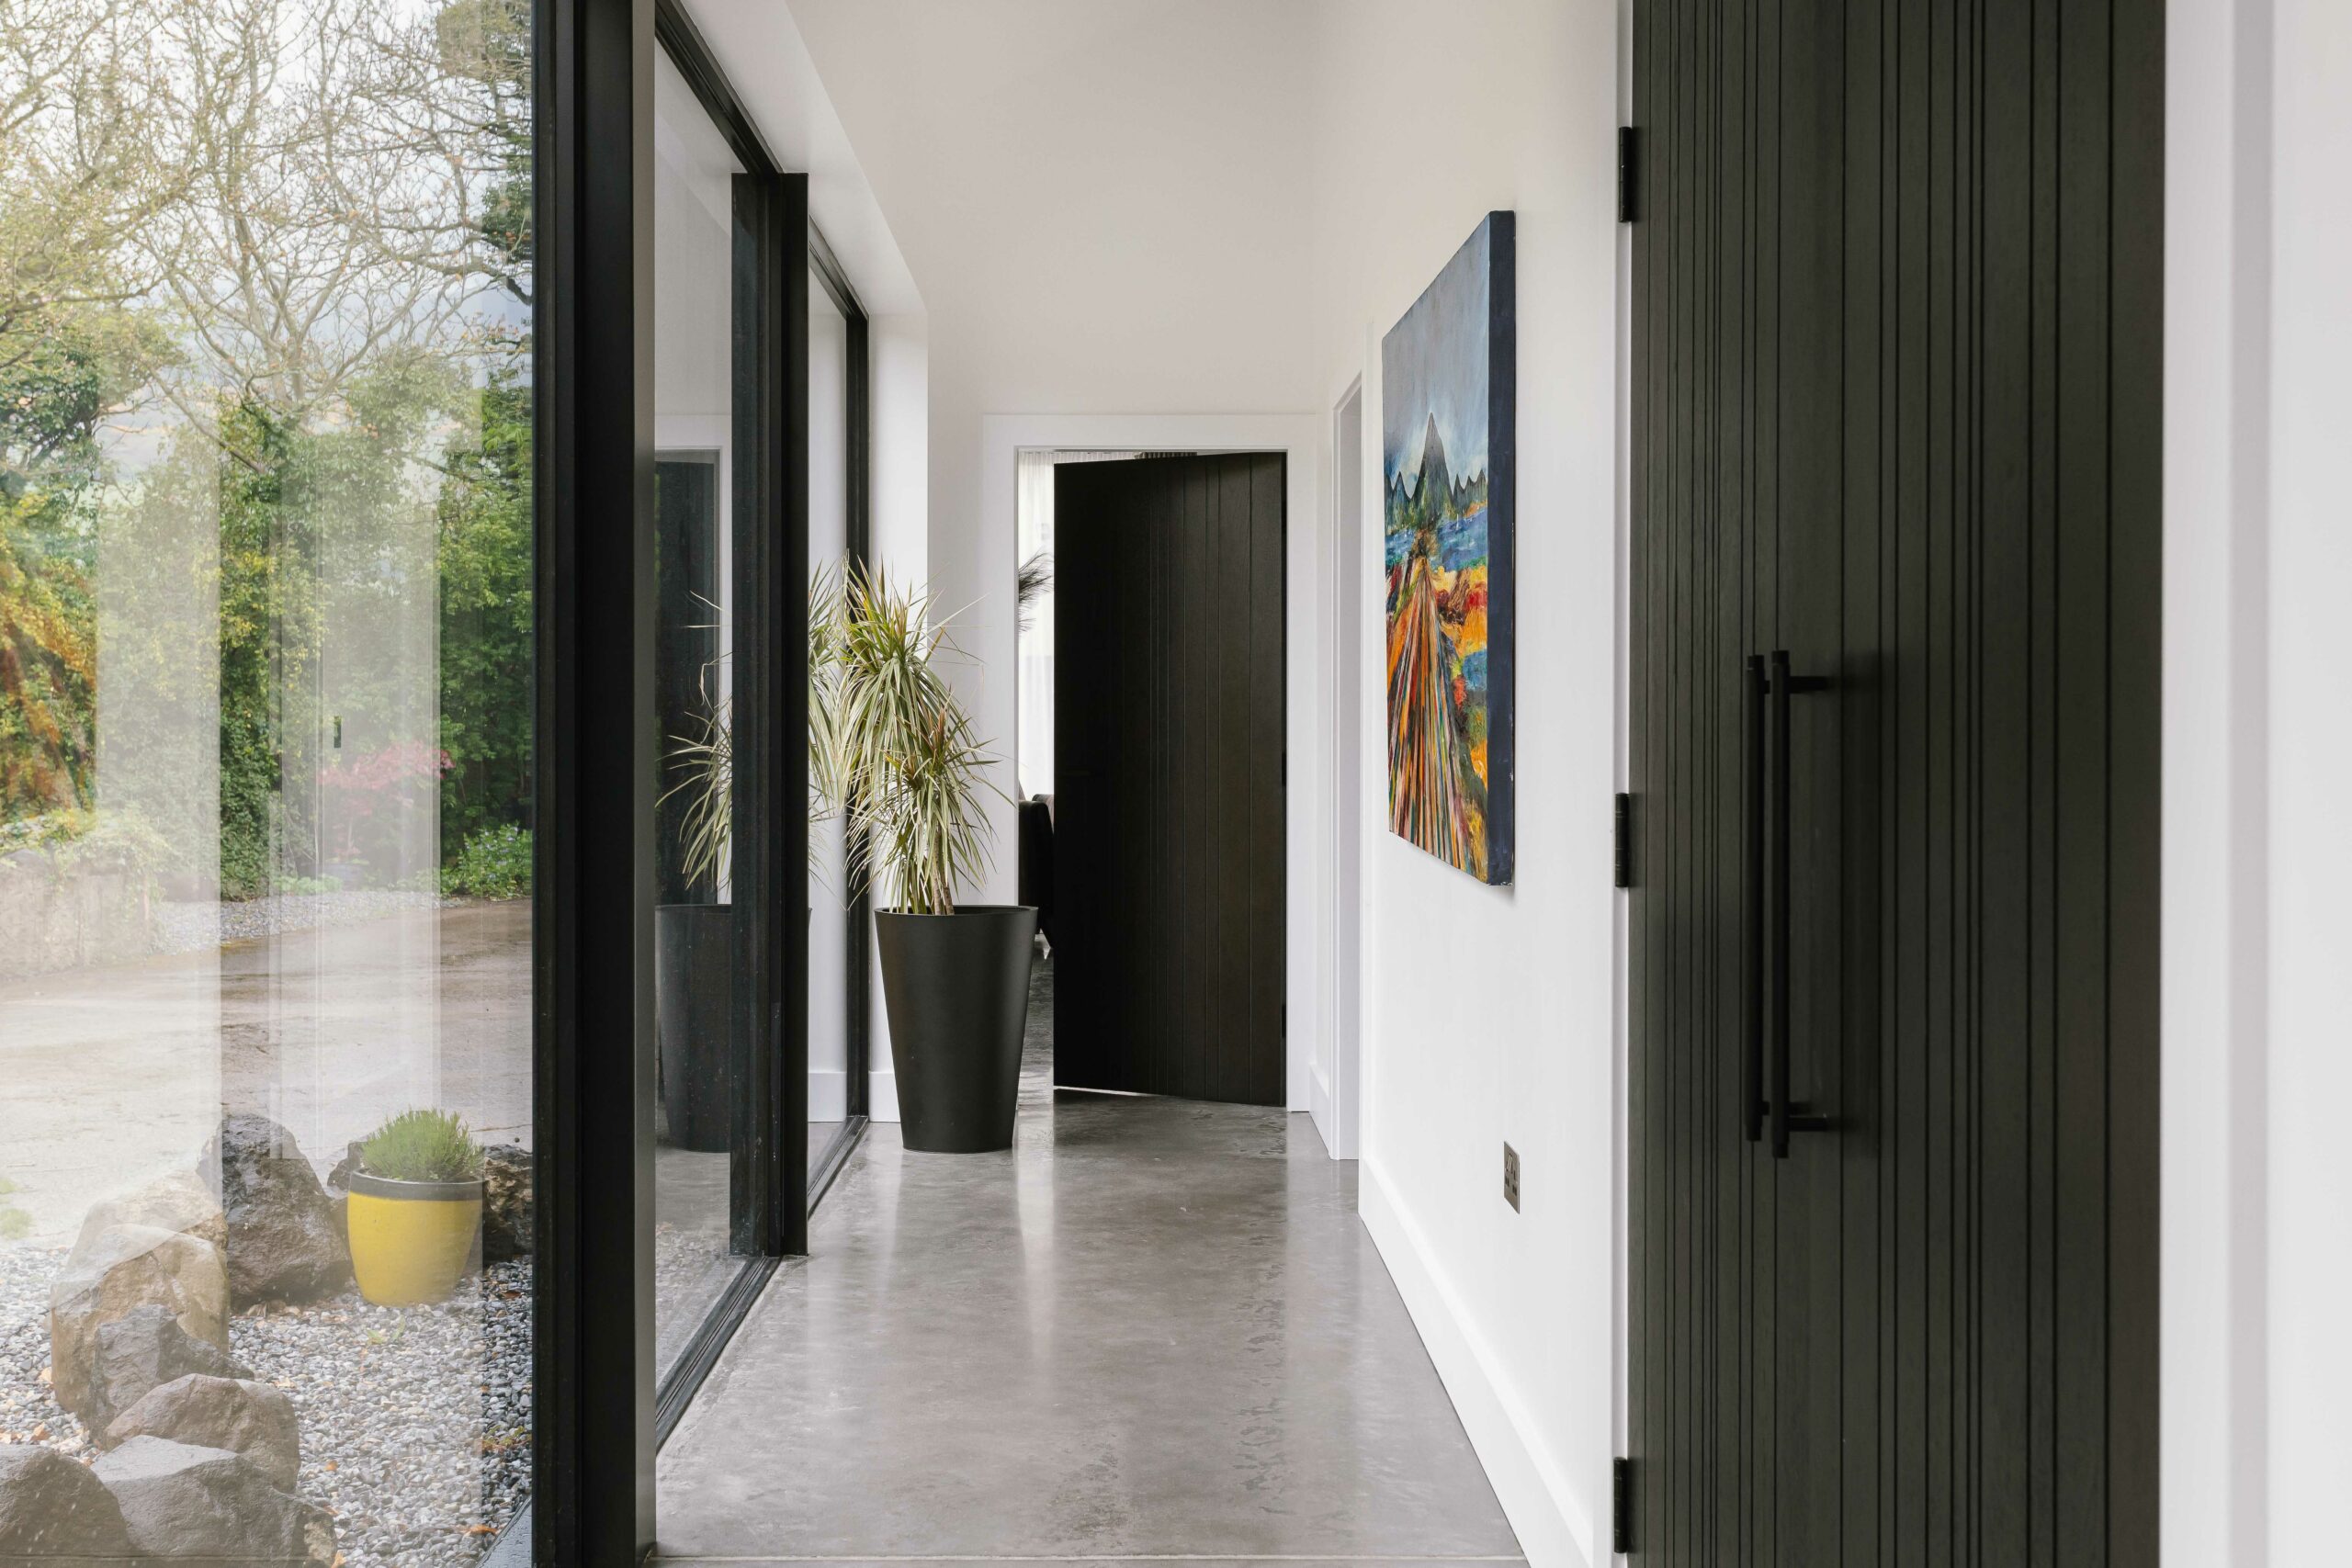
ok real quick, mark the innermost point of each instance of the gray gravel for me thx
(415, 1422)
(190, 927)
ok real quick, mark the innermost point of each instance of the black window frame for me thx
(598, 1416)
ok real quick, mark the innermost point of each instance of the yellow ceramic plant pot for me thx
(411, 1241)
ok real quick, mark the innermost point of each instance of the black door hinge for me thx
(1624, 841)
(1627, 170)
(1620, 1505)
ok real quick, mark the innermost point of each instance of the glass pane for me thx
(1034, 587)
(828, 1063)
(266, 773)
(694, 965)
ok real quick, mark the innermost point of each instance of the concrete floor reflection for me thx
(1155, 1327)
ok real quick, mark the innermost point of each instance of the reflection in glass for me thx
(829, 1052)
(266, 768)
(694, 965)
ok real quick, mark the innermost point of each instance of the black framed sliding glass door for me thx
(675, 411)
(699, 618)
(839, 423)
(728, 693)
(760, 436)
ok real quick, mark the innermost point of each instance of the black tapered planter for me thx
(694, 1009)
(957, 990)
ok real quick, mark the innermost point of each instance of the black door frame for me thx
(598, 1418)
(591, 1307)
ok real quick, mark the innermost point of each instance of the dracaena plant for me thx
(703, 760)
(900, 756)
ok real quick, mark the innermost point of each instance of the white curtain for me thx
(1033, 529)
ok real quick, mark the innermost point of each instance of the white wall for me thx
(1487, 1012)
(2256, 1368)
(1104, 202)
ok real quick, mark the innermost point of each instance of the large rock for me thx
(180, 1500)
(139, 1353)
(113, 1271)
(237, 1414)
(54, 1512)
(286, 1240)
(506, 1219)
(180, 1202)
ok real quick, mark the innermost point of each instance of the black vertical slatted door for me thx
(1896, 371)
(1167, 776)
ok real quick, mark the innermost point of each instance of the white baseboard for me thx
(1553, 1530)
(882, 1097)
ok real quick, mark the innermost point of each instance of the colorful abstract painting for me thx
(1447, 371)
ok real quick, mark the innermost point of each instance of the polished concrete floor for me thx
(1155, 1329)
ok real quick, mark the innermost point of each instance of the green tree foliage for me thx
(486, 621)
(275, 232)
(75, 180)
(268, 638)
(56, 384)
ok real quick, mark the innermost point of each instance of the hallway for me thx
(1155, 1329)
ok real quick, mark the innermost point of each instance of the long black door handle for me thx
(1786, 1117)
(1751, 932)
(1780, 879)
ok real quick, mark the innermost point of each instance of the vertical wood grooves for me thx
(1896, 390)
(1170, 726)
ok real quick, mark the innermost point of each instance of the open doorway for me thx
(1153, 768)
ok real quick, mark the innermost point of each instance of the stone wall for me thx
(57, 917)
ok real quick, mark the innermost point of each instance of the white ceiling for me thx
(761, 53)
(1102, 202)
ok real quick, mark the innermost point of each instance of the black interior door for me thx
(1169, 776)
(1896, 374)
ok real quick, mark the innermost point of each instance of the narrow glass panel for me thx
(693, 683)
(266, 777)
(830, 1090)
(1034, 591)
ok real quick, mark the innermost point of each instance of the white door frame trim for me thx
(1306, 684)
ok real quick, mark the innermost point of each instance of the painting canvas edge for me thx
(1502, 545)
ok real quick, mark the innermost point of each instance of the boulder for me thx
(139, 1353)
(180, 1500)
(112, 1272)
(180, 1202)
(286, 1240)
(53, 1511)
(506, 1219)
(237, 1414)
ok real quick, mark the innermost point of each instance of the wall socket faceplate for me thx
(1511, 1176)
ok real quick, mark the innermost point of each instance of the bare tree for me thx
(80, 175)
